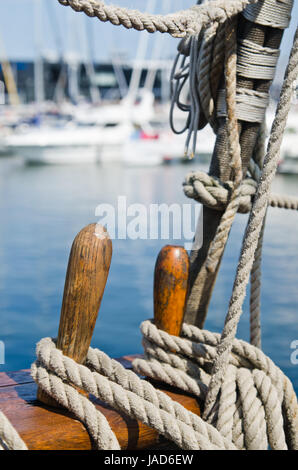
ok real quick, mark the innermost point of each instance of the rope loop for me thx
(257, 406)
(213, 193)
(247, 401)
(106, 379)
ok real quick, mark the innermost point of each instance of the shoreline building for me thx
(60, 81)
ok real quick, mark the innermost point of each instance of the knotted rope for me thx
(258, 398)
(253, 231)
(211, 192)
(258, 406)
(123, 390)
(248, 402)
(208, 102)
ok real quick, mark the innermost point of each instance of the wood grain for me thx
(45, 428)
(86, 277)
(170, 288)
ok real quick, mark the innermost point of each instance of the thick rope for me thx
(9, 437)
(255, 294)
(253, 62)
(208, 74)
(124, 390)
(255, 275)
(249, 402)
(254, 394)
(198, 68)
(56, 374)
(263, 412)
(250, 107)
(179, 24)
(252, 235)
(211, 192)
(221, 236)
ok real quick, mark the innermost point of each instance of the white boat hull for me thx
(68, 146)
(60, 155)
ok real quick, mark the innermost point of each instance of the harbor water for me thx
(43, 207)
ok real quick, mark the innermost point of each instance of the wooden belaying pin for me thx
(170, 288)
(87, 273)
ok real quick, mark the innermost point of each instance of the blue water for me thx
(42, 209)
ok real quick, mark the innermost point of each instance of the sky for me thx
(27, 31)
(32, 27)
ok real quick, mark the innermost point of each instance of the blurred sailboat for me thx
(130, 131)
(288, 163)
(89, 137)
(289, 148)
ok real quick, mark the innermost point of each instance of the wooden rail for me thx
(47, 428)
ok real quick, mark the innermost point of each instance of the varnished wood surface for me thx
(170, 288)
(86, 277)
(46, 428)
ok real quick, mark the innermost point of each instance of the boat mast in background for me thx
(60, 87)
(119, 74)
(141, 53)
(72, 58)
(89, 60)
(38, 63)
(8, 76)
(158, 49)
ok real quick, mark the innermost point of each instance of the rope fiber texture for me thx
(197, 73)
(211, 192)
(252, 235)
(178, 24)
(123, 390)
(257, 406)
(210, 105)
(266, 401)
(247, 401)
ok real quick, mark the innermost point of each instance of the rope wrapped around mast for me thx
(199, 67)
(256, 407)
(248, 402)
(209, 77)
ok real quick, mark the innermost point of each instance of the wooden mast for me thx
(202, 281)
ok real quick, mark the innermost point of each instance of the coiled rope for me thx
(123, 390)
(253, 394)
(248, 402)
(253, 231)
